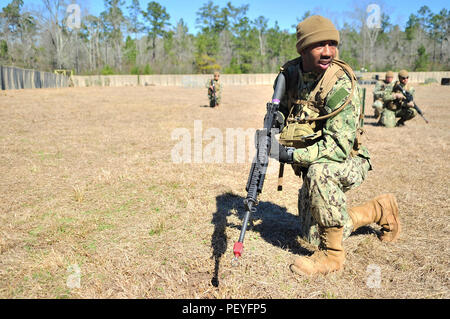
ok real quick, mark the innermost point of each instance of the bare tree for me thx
(52, 21)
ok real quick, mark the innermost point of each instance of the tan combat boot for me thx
(330, 257)
(382, 210)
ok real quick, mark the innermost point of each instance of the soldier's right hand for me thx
(399, 96)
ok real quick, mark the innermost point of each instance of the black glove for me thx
(278, 121)
(284, 155)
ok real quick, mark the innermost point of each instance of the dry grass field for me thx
(88, 190)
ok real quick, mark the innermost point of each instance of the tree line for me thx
(133, 40)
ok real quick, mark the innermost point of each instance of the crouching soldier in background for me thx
(378, 94)
(214, 90)
(395, 105)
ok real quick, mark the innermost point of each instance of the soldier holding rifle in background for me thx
(398, 102)
(214, 90)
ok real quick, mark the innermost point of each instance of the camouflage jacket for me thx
(389, 101)
(217, 86)
(380, 90)
(338, 132)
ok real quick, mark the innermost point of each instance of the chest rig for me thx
(307, 105)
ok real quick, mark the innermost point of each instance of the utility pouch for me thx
(298, 135)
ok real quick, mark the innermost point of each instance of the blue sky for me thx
(286, 12)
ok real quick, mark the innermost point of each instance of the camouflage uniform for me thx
(395, 108)
(330, 166)
(378, 94)
(218, 87)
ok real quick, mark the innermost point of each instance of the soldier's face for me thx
(403, 80)
(216, 77)
(389, 79)
(318, 56)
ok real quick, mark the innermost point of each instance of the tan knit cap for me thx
(389, 74)
(315, 29)
(403, 73)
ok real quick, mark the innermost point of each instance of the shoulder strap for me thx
(325, 84)
(337, 69)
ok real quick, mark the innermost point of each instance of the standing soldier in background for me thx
(214, 90)
(378, 94)
(394, 102)
(320, 120)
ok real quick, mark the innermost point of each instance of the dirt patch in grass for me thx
(88, 181)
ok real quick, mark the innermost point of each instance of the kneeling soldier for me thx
(320, 117)
(395, 105)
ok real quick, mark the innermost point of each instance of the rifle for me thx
(409, 98)
(214, 92)
(260, 163)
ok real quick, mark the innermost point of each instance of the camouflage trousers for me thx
(388, 117)
(377, 108)
(322, 200)
(211, 98)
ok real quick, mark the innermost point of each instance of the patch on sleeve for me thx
(337, 97)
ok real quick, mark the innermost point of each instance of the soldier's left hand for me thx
(282, 153)
(410, 104)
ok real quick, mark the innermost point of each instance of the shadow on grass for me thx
(277, 227)
(372, 123)
(366, 230)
